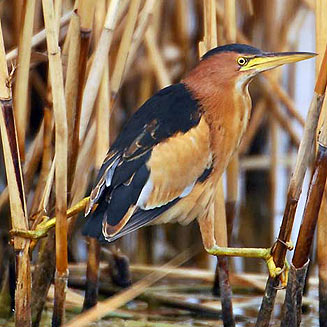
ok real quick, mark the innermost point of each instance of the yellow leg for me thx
(42, 228)
(207, 226)
(261, 253)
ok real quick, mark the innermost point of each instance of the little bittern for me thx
(167, 161)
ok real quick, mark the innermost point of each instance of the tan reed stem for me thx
(255, 122)
(321, 41)
(156, 59)
(293, 194)
(38, 37)
(143, 22)
(314, 198)
(124, 46)
(23, 67)
(71, 86)
(59, 108)
(96, 71)
(86, 13)
(16, 194)
(31, 164)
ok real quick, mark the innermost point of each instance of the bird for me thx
(165, 164)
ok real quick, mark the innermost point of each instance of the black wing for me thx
(124, 172)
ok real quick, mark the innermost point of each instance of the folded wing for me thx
(157, 159)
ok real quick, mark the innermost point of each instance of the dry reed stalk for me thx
(283, 121)
(271, 24)
(86, 14)
(16, 194)
(232, 171)
(143, 22)
(273, 174)
(103, 109)
(79, 188)
(85, 162)
(103, 112)
(38, 37)
(45, 198)
(33, 156)
(222, 270)
(59, 107)
(71, 87)
(230, 21)
(321, 257)
(41, 88)
(249, 7)
(138, 288)
(42, 277)
(124, 46)
(256, 119)
(263, 162)
(220, 224)
(156, 59)
(46, 160)
(321, 41)
(278, 90)
(92, 274)
(293, 194)
(96, 71)
(232, 174)
(182, 22)
(300, 261)
(23, 67)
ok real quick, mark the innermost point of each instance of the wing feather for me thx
(156, 161)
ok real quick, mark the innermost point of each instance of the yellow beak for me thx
(271, 60)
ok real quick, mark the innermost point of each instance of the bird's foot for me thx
(31, 234)
(40, 231)
(262, 253)
(277, 271)
(289, 245)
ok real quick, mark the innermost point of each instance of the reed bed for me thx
(71, 74)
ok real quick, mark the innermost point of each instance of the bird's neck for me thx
(226, 107)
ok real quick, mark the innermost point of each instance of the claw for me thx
(284, 275)
(277, 271)
(289, 245)
(31, 234)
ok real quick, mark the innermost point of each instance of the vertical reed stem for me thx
(86, 14)
(16, 194)
(321, 41)
(300, 260)
(59, 108)
(23, 67)
(293, 194)
(220, 225)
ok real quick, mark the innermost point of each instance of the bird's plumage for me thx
(238, 48)
(167, 161)
(161, 154)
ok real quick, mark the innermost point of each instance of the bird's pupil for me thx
(241, 61)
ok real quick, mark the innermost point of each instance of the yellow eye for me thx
(242, 61)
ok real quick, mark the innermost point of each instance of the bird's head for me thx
(240, 62)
